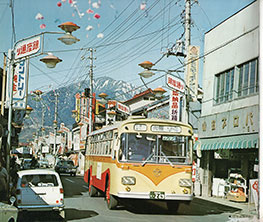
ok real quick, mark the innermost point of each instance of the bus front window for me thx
(150, 148)
(175, 148)
(137, 147)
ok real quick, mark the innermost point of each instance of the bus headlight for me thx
(185, 183)
(127, 180)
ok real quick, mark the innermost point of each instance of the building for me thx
(229, 124)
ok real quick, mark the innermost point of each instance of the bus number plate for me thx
(157, 195)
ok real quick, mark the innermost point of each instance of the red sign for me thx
(174, 113)
(175, 83)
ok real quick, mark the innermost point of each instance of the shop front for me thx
(228, 153)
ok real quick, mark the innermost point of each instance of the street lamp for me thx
(50, 60)
(103, 97)
(158, 92)
(28, 111)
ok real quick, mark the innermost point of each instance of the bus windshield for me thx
(150, 148)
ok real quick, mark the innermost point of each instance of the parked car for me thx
(25, 164)
(43, 163)
(66, 166)
(8, 212)
(39, 190)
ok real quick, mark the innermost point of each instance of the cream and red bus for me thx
(141, 158)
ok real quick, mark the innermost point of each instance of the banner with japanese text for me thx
(192, 70)
(174, 111)
(19, 85)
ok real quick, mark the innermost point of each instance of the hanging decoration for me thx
(39, 16)
(97, 16)
(42, 26)
(143, 6)
(76, 9)
(89, 27)
(100, 36)
(96, 5)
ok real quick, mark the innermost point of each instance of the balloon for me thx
(63, 0)
(59, 4)
(87, 36)
(39, 16)
(42, 26)
(97, 16)
(70, 1)
(90, 11)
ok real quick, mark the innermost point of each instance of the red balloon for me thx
(59, 4)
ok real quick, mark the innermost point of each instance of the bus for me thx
(141, 158)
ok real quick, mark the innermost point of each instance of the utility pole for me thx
(187, 43)
(43, 120)
(55, 123)
(91, 88)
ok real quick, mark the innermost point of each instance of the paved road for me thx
(80, 207)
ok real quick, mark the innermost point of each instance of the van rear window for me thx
(40, 180)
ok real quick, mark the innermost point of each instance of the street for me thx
(80, 207)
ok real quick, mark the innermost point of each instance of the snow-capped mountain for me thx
(116, 89)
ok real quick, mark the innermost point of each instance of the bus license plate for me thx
(157, 195)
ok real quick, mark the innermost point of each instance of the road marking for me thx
(86, 187)
(69, 180)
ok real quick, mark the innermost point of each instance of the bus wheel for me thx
(110, 199)
(172, 206)
(92, 191)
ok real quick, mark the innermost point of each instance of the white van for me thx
(39, 190)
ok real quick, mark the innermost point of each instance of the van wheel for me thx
(92, 191)
(112, 202)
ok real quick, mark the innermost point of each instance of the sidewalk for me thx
(247, 211)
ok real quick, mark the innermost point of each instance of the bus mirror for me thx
(138, 136)
(150, 138)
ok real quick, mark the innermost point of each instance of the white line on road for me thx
(70, 180)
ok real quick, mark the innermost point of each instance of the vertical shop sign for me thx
(20, 82)
(192, 70)
(174, 111)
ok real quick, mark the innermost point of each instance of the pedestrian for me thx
(3, 183)
(34, 162)
(14, 168)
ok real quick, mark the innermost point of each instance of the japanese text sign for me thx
(123, 108)
(27, 47)
(174, 111)
(20, 85)
(192, 70)
(175, 83)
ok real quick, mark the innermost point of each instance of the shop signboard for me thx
(175, 83)
(123, 108)
(192, 70)
(27, 47)
(174, 110)
(234, 122)
(19, 84)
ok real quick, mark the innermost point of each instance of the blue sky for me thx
(130, 35)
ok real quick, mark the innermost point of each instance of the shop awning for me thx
(232, 142)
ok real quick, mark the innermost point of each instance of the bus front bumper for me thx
(141, 195)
